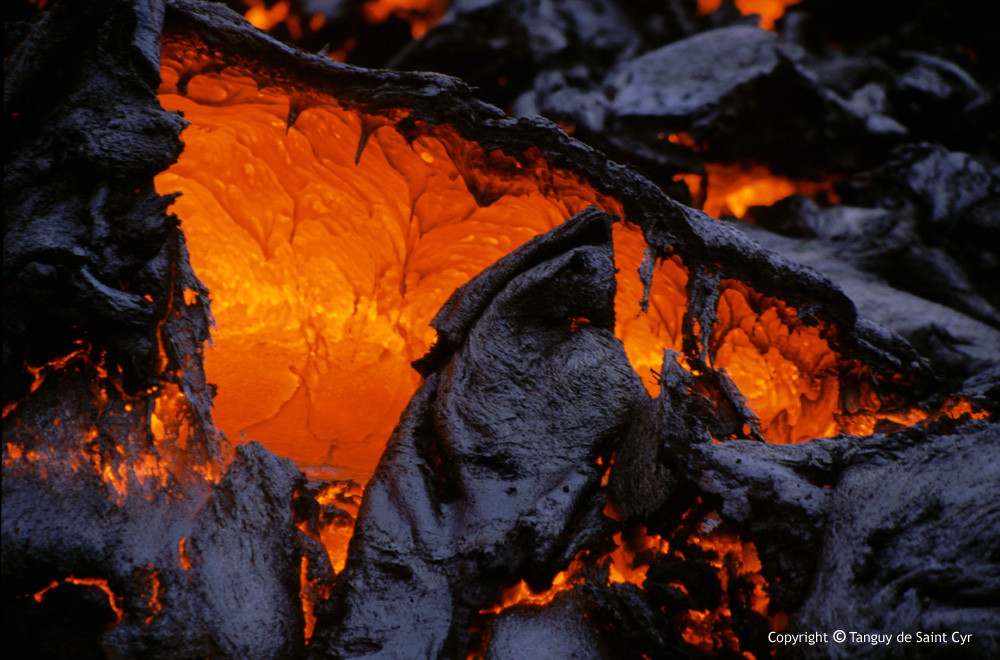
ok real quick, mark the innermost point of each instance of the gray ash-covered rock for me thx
(196, 566)
(492, 473)
(87, 240)
(925, 222)
(910, 544)
(560, 630)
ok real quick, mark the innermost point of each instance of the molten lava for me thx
(768, 10)
(522, 594)
(703, 539)
(301, 25)
(329, 241)
(328, 245)
(645, 335)
(266, 18)
(114, 602)
(422, 15)
(732, 189)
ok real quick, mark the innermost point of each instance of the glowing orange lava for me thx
(732, 189)
(624, 566)
(113, 601)
(646, 334)
(335, 532)
(325, 270)
(266, 18)
(522, 594)
(768, 10)
(711, 630)
(421, 14)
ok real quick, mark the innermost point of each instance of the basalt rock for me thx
(493, 467)
(187, 546)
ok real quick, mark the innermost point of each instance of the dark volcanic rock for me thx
(717, 84)
(493, 466)
(492, 475)
(197, 567)
(499, 45)
(559, 630)
(87, 241)
(911, 545)
(925, 222)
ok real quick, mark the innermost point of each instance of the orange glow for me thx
(335, 533)
(312, 592)
(768, 10)
(329, 274)
(263, 18)
(646, 335)
(786, 370)
(706, 7)
(711, 630)
(955, 408)
(789, 375)
(624, 566)
(39, 374)
(683, 138)
(316, 22)
(522, 594)
(864, 423)
(155, 425)
(113, 601)
(153, 600)
(732, 189)
(421, 14)
(182, 554)
(708, 630)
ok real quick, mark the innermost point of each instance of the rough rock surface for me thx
(882, 534)
(911, 544)
(492, 474)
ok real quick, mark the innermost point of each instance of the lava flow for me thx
(329, 240)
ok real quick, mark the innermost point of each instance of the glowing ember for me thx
(340, 502)
(712, 630)
(421, 14)
(734, 561)
(182, 554)
(768, 10)
(312, 592)
(732, 189)
(157, 423)
(152, 594)
(522, 594)
(624, 565)
(260, 16)
(113, 601)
